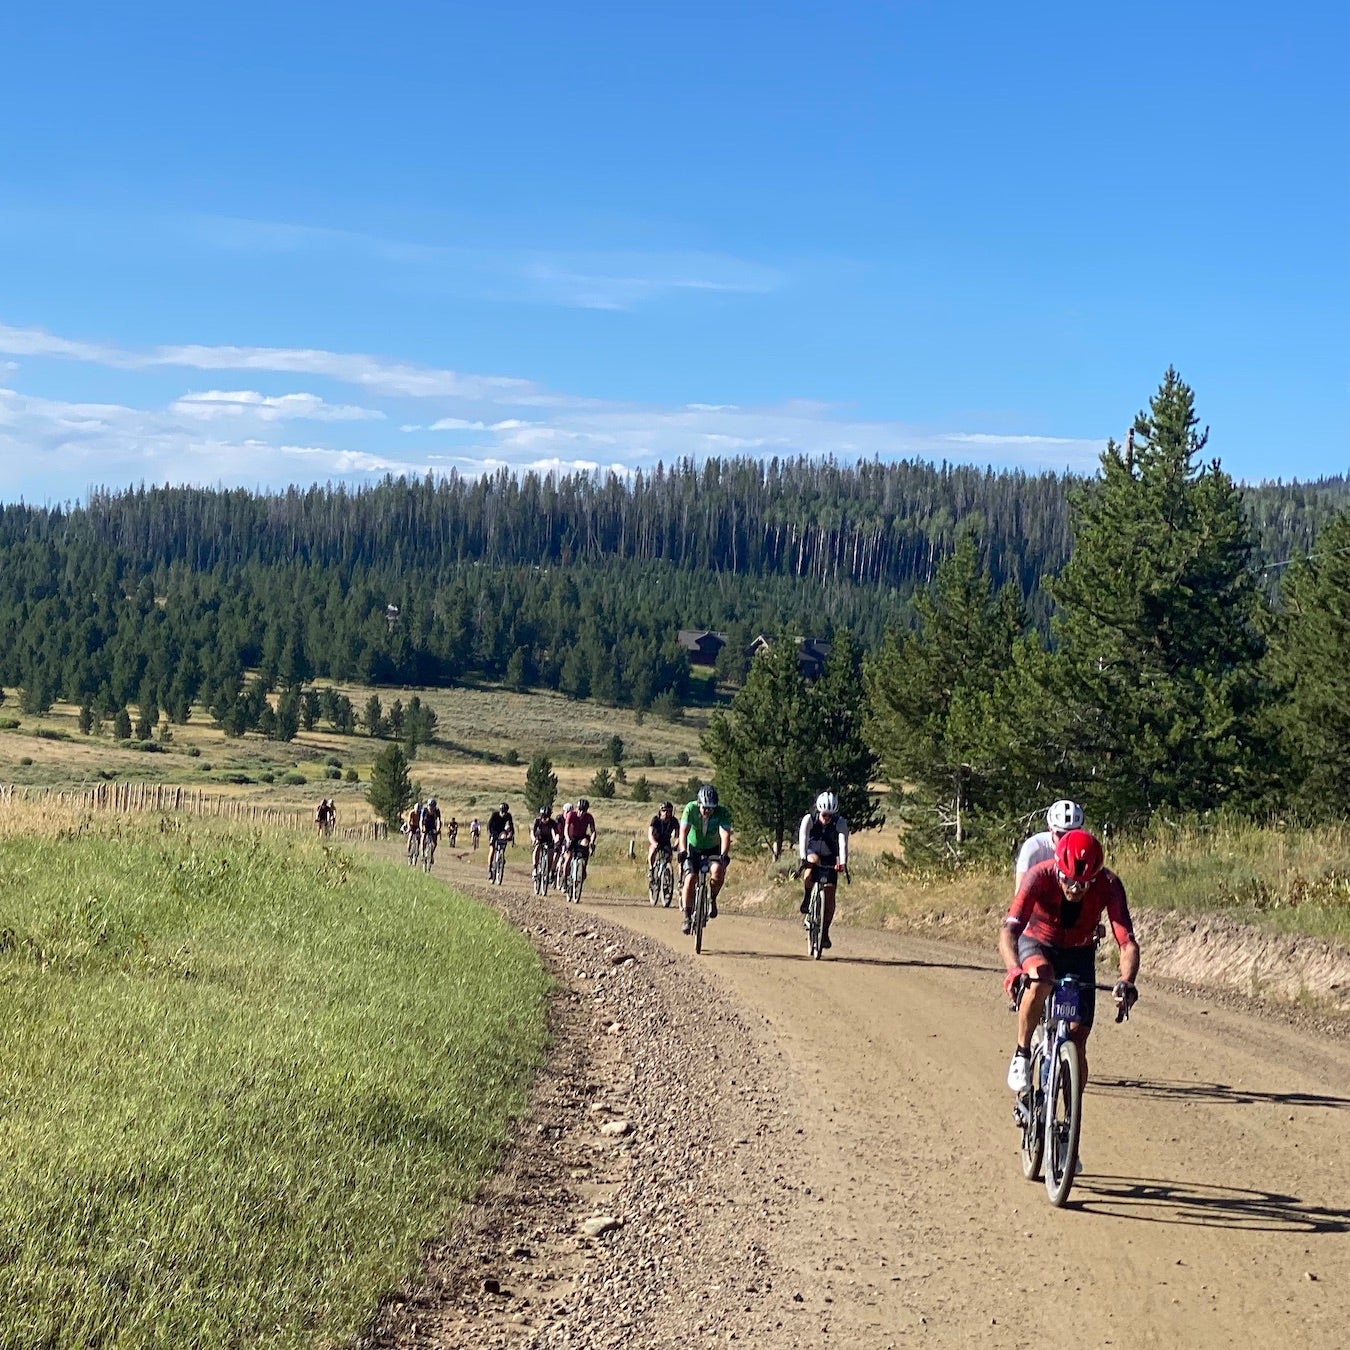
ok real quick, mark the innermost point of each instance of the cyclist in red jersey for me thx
(1051, 931)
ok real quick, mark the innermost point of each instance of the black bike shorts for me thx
(1079, 961)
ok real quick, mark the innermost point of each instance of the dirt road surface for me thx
(1214, 1205)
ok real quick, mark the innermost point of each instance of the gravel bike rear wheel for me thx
(1063, 1122)
(700, 911)
(667, 883)
(815, 921)
(1033, 1121)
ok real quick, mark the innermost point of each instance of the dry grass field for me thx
(467, 769)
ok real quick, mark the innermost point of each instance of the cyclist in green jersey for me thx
(705, 832)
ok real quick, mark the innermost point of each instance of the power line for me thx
(1306, 557)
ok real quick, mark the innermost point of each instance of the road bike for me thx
(414, 848)
(428, 851)
(661, 881)
(543, 872)
(497, 862)
(824, 876)
(1050, 1112)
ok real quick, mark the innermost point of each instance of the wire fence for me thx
(163, 798)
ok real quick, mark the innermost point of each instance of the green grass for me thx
(243, 1079)
(1293, 880)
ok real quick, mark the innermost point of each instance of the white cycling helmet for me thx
(827, 803)
(1065, 815)
(567, 806)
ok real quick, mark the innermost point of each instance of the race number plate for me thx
(1064, 1006)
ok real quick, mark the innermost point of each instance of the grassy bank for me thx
(243, 1077)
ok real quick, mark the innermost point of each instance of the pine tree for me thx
(1310, 661)
(761, 749)
(931, 718)
(541, 783)
(122, 725)
(391, 789)
(843, 761)
(1151, 698)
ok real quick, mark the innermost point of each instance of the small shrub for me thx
(295, 779)
(25, 759)
(682, 759)
(351, 776)
(512, 756)
(206, 768)
(50, 734)
(240, 778)
(642, 789)
(333, 762)
(602, 785)
(331, 772)
(194, 752)
(649, 760)
(9, 723)
(268, 777)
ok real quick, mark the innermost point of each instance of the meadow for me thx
(1276, 876)
(245, 1076)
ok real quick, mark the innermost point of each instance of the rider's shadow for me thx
(1189, 1203)
(1181, 1090)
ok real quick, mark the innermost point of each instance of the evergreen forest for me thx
(164, 597)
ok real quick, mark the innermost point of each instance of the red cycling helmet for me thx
(1078, 857)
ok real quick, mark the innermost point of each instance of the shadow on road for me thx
(1182, 1202)
(1164, 1089)
(844, 960)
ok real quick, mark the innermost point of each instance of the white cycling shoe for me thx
(1019, 1074)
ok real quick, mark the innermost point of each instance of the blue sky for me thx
(295, 242)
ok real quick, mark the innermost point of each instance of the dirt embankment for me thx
(1215, 952)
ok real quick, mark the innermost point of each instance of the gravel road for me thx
(750, 1147)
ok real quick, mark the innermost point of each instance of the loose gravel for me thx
(645, 1199)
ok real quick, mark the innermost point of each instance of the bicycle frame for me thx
(1050, 1114)
(702, 904)
(823, 877)
(661, 886)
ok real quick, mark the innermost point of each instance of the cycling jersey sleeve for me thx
(842, 826)
(802, 835)
(1118, 911)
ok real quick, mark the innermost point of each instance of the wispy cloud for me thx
(581, 278)
(218, 403)
(458, 420)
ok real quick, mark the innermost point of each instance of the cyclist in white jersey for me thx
(1062, 817)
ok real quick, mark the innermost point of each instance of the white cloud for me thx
(455, 424)
(216, 403)
(580, 278)
(50, 444)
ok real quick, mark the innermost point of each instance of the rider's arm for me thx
(843, 842)
(1118, 911)
(802, 835)
(724, 835)
(1008, 934)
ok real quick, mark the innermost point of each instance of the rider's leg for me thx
(829, 910)
(1079, 1034)
(717, 874)
(1033, 1001)
(687, 890)
(808, 877)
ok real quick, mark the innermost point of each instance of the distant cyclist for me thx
(541, 832)
(501, 825)
(452, 832)
(1051, 931)
(412, 827)
(822, 841)
(579, 833)
(559, 851)
(431, 828)
(474, 830)
(661, 836)
(1062, 817)
(705, 832)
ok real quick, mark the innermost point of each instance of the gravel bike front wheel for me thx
(700, 911)
(1063, 1122)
